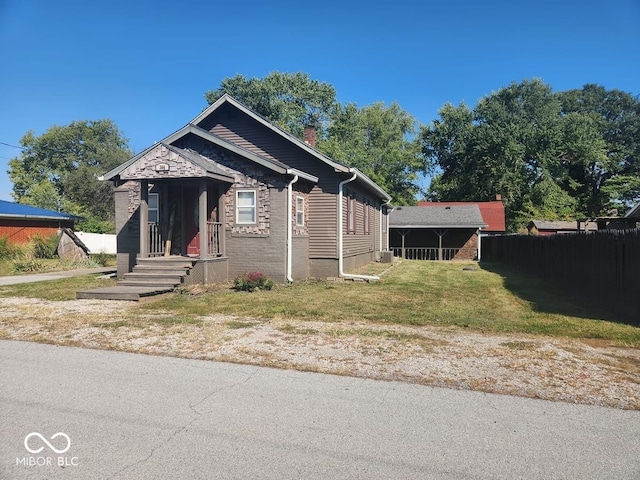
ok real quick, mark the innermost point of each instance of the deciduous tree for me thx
(59, 169)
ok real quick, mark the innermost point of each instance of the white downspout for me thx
(341, 272)
(290, 228)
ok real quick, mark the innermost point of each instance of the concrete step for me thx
(130, 293)
(161, 269)
(135, 282)
(173, 262)
(154, 277)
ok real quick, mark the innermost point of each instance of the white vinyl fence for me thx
(98, 242)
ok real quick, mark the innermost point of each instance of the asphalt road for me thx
(126, 416)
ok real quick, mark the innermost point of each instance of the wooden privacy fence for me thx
(602, 267)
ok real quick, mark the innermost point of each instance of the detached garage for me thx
(19, 223)
(435, 232)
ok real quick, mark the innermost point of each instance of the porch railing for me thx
(156, 245)
(425, 253)
(214, 245)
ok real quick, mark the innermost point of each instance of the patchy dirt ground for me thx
(540, 367)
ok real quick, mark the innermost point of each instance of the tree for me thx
(378, 141)
(290, 100)
(59, 170)
(560, 155)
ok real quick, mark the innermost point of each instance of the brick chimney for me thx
(310, 135)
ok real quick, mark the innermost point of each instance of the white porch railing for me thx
(425, 253)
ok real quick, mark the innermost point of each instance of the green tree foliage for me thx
(552, 155)
(290, 100)
(378, 140)
(59, 170)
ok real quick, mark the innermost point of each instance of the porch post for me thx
(222, 220)
(144, 218)
(203, 216)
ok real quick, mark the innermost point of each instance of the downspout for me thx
(341, 272)
(290, 228)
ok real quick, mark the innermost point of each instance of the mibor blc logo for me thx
(37, 444)
(46, 442)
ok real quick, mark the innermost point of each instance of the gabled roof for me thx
(18, 210)
(634, 212)
(193, 127)
(445, 216)
(492, 212)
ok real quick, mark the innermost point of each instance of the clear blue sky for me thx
(146, 64)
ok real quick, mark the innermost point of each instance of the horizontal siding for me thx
(323, 228)
(358, 242)
(238, 128)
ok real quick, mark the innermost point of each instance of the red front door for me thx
(191, 221)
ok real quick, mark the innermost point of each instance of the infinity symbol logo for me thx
(36, 434)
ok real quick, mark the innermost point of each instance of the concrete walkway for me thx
(41, 277)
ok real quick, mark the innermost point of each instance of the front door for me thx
(191, 221)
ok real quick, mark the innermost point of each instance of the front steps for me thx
(150, 276)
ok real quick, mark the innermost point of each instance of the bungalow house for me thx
(231, 192)
(19, 223)
(436, 232)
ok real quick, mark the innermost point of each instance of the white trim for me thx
(300, 211)
(341, 235)
(254, 207)
(290, 229)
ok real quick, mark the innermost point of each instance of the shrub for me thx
(252, 281)
(44, 247)
(6, 252)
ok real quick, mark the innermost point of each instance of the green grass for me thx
(63, 289)
(420, 293)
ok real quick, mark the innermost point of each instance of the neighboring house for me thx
(492, 213)
(436, 232)
(630, 220)
(553, 227)
(234, 193)
(20, 223)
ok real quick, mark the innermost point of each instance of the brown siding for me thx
(357, 243)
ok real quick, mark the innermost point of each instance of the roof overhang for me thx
(204, 134)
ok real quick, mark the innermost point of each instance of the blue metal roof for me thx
(17, 210)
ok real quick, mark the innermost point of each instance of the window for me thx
(245, 206)
(366, 219)
(154, 210)
(351, 214)
(299, 211)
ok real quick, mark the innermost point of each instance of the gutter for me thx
(290, 228)
(341, 272)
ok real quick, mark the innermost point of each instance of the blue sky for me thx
(147, 64)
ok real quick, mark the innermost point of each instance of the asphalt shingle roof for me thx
(436, 216)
